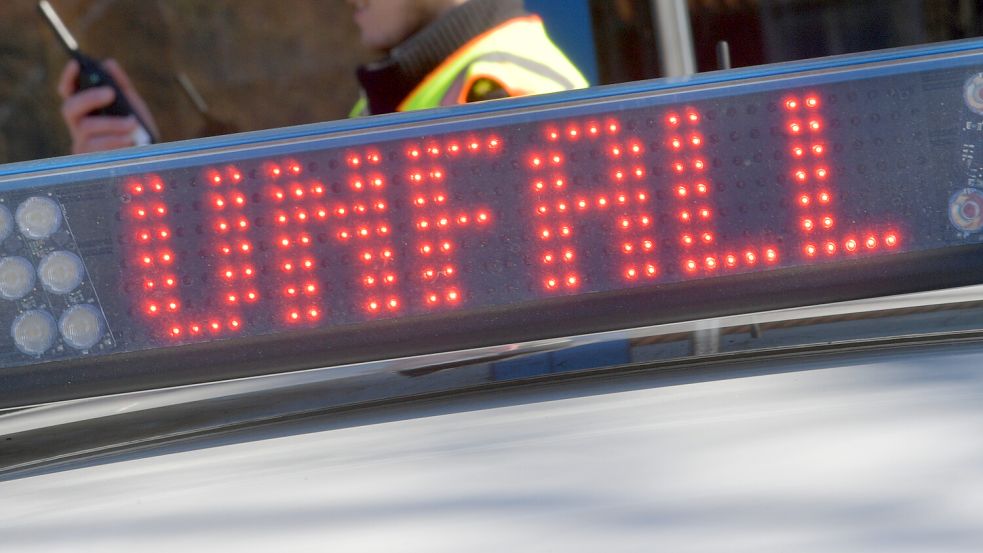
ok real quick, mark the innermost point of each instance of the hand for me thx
(98, 133)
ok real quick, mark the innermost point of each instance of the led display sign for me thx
(490, 218)
(479, 227)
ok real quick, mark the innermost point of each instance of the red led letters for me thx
(151, 253)
(436, 220)
(810, 175)
(384, 232)
(299, 206)
(367, 231)
(561, 205)
(627, 205)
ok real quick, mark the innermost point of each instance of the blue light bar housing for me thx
(507, 221)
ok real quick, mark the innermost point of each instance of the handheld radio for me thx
(92, 74)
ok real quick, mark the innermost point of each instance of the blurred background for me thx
(260, 64)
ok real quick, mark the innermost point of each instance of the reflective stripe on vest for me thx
(517, 75)
(501, 55)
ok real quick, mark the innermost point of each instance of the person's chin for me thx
(376, 42)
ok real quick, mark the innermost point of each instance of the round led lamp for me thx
(81, 326)
(966, 210)
(34, 332)
(38, 217)
(16, 278)
(61, 272)
(973, 93)
(6, 223)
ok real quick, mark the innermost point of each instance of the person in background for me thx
(437, 53)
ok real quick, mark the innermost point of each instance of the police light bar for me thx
(503, 222)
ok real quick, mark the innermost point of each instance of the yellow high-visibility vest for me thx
(516, 56)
